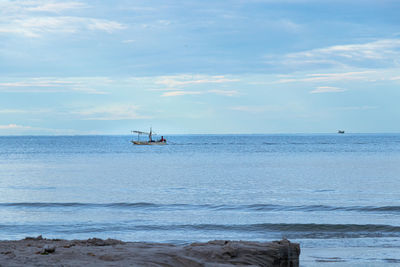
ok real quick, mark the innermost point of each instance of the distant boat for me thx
(161, 141)
(340, 132)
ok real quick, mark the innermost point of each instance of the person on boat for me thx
(162, 139)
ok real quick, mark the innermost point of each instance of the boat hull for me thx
(147, 143)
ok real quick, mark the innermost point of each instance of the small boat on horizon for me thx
(340, 131)
(161, 141)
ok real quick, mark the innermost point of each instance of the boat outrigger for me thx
(161, 141)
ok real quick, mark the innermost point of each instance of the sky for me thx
(199, 67)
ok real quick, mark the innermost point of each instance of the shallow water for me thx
(338, 195)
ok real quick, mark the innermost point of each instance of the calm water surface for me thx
(338, 195)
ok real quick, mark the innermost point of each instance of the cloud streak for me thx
(23, 111)
(35, 27)
(34, 19)
(249, 109)
(376, 54)
(48, 85)
(110, 113)
(54, 7)
(18, 7)
(357, 108)
(180, 93)
(217, 92)
(224, 92)
(185, 80)
(327, 89)
(266, 108)
(13, 127)
(329, 77)
(23, 129)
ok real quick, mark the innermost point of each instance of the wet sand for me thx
(97, 252)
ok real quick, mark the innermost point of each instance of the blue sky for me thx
(239, 66)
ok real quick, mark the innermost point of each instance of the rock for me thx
(101, 242)
(10, 254)
(34, 238)
(48, 249)
(110, 252)
(277, 253)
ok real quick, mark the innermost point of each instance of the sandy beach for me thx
(40, 251)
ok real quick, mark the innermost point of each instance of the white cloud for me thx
(25, 18)
(164, 89)
(22, 129)
(180, 93)
(174, 85)
(266, 108)
(13, 126)
(164, 22)
(224, 92)
(18, 7)
(11, 111)
(128, 41)
(111, 112)
(23, 111)
(104, 25)
(55, 7)
(217, 92)
(357, 108)
(37, 26)
(250, 109)
(35, 83)
(49, 85)
(329, 77)
(288, 25)
(381, 49)
(184, 80)
(380, 53)
(327, 89)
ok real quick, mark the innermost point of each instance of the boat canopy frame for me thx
(150, 134)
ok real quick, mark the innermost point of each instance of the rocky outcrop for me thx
(97, 252)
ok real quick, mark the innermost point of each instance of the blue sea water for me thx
(337, 195)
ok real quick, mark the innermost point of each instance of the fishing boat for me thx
(161, 141)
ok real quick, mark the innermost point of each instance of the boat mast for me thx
(150, 139)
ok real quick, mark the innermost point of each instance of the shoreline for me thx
(39, 251)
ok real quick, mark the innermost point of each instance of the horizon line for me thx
(178, 134)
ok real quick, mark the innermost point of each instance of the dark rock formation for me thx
(97, 252)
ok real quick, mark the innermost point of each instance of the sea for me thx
(338, 195)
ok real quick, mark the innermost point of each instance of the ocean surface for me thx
(337, 195)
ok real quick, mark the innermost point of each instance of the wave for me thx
(273, 142)
(282, 227)
(313, 231)
(77, 204)
(311, 208)
(243, 208)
